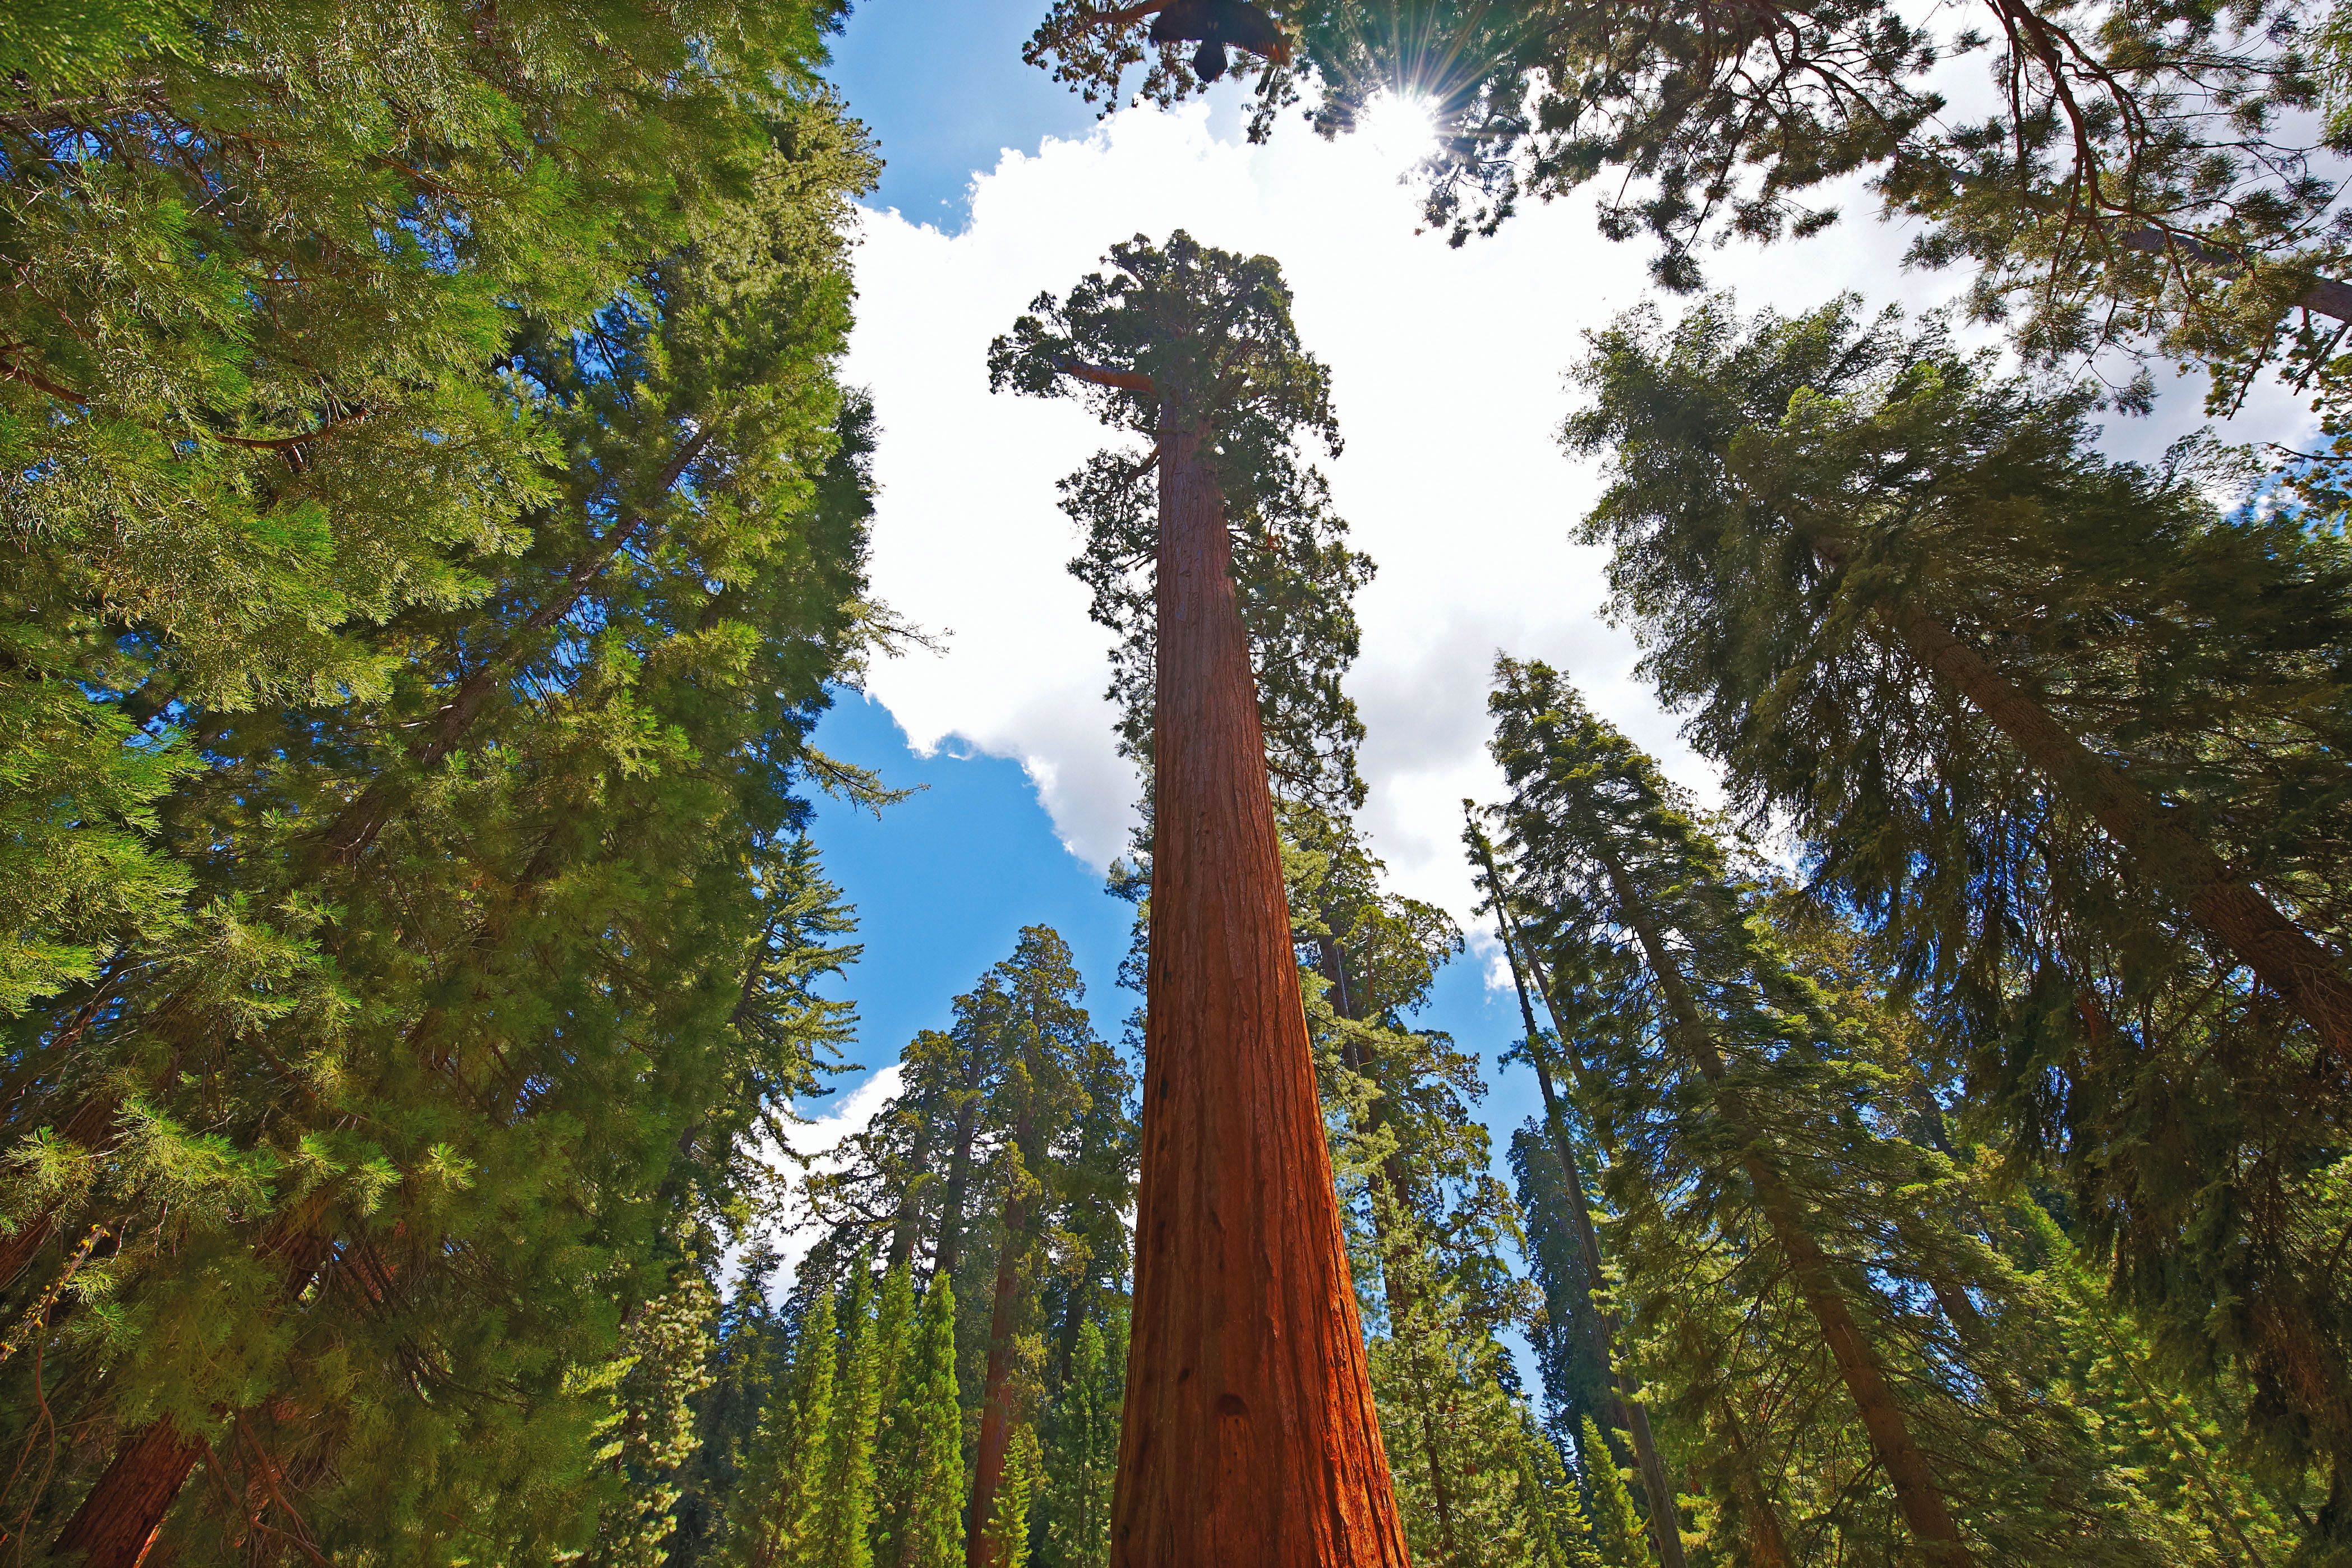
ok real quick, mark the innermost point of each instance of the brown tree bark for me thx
(981, 1549)
(89, 1123)
(1630, 1414)
(959, 1183)
(1767, 1544)
(123, 1512)
(1917, 1493)
(1249, 1438)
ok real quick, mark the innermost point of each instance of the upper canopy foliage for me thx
(2115, 171)
(1200, 341)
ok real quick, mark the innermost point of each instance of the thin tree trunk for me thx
(1767, 1547)
(1632, 1414)
(2281, 953)
(123, 1513)
(967, 1127)
(91, 1121)
(1917, 1492)
(982, 1550)
(356, 826)
(1249, 1438)
(1390, 1183)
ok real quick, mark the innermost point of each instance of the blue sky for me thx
(943, 882)
(1447, 370)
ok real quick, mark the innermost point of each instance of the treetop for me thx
(1175, 332)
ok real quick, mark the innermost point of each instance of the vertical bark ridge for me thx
(123, 1512)
(1249, 1438)
(981, 1549)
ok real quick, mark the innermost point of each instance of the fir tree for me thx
(2069, 740)
(1776, 1236)
(780, 1504)
(843, 1536)
(928, 1513)
(1081, 1450)
(1563, 1535)
(502, 935)
(895, 1330)
(669, 1349)
(1624, 1542)
(1008, 1515)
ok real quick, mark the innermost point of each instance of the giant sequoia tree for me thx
(1250, 1435)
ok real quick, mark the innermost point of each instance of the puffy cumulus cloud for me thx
(1448, 373)
(818, 1141)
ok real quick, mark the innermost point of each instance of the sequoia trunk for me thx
(981, 1549)
(123, 1512)
(1248, 1438)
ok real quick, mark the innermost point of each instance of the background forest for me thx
(442, 506)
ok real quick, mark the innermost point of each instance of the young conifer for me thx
(927, 1514)
(1617, 1525)
(1081, 1449)
(843, 1531)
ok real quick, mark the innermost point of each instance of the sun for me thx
(1400, 127)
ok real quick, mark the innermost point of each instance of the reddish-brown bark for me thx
(981, 1549)
(119, 1519)
(1249, 1438)
(88, 1124)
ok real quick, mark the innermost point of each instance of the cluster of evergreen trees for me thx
(436, 526)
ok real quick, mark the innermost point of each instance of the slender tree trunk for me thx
(1388, 1203)
(1249, 1438)
(1767, 1547)
(981, 1549)
(1917, 1492)
(356, 826)
(90, 1122)
(123, 1513)
(2281, 953)
(1630, 1414)
(967, 1127)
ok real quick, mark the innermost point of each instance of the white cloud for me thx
(818, 1141)
(1447, 369)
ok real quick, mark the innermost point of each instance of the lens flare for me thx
(1400, 127)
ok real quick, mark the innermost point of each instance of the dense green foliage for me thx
(1790, 501)
(1821, 1108)
(2112, 175)
(436, 526)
